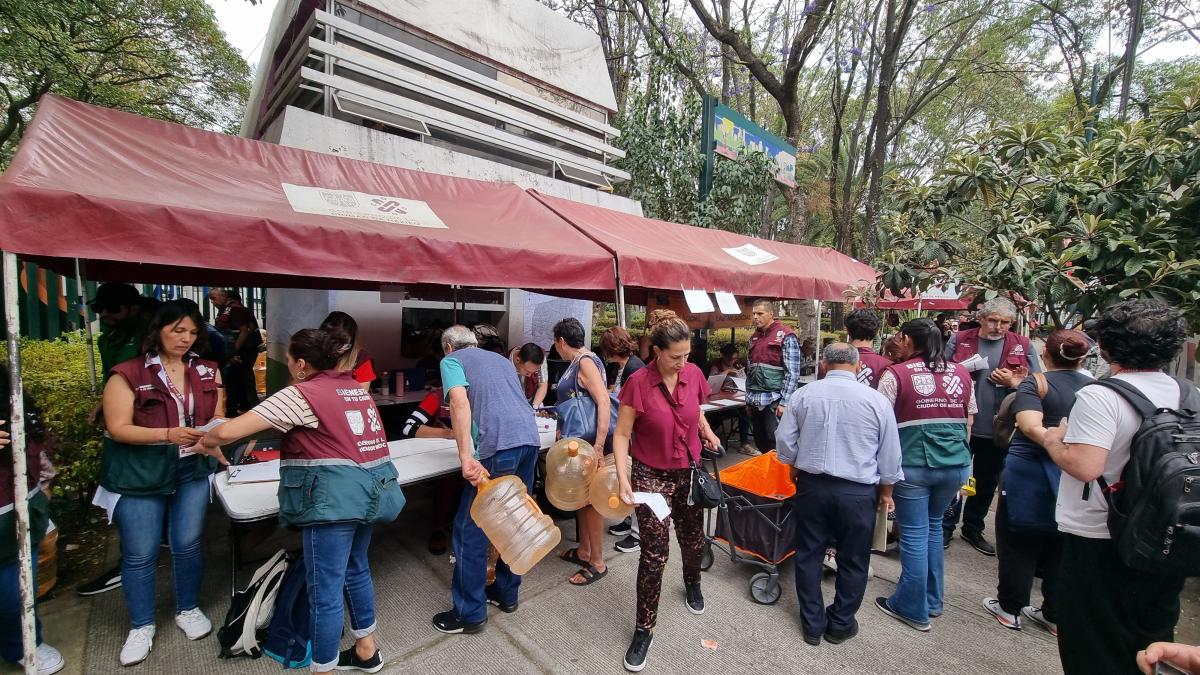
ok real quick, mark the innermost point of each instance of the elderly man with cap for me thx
(841, 440)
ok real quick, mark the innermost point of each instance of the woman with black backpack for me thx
(1027, 537)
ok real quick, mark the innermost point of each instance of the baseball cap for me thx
(114, 295)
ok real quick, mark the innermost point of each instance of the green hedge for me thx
(55, 375)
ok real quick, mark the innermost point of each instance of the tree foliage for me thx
(1070, 223)
(159, 58)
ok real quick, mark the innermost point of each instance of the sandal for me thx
(589, 574)
(571, 555)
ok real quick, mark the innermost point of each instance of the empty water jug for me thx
(570, 464)
(513, 522)
(605, 492)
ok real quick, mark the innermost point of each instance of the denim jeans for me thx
(12, 649)
(921, 500)
(335, 560)
(140, 522)
(469, 582)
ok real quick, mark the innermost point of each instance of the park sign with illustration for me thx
(734, 134)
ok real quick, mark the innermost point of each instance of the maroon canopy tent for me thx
(654, 254)
(137, 198)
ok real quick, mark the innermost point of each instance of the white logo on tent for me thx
(751, 254)
(361, 206)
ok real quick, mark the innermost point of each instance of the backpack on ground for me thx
(1004, 424)
(251, 609)
(288, 638)
(1154, 510)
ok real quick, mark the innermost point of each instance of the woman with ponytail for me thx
(660, 411)
(1027, 536)
(336, 482)
(935, 405)
(352, 356)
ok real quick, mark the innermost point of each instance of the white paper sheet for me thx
(212, 424)
(727, 303)
(656, 502)
(751, 254)
(976, 362)
(739, 382)
(259, 472)
(698, 301)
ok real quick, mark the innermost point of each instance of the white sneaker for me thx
(1035, 615)
(193, 623)
(49, 660)
(830, 563)
(137, 645)
(1007, 620)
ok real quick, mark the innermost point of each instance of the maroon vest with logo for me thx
(154, 407)
(926, 395)
(33, 469)
(766, 346)
(349, 424)
(1015, 353)
(873, 366)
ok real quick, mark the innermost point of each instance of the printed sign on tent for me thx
(751, 254)
(361, 206)
(698, 301)
(727, 303)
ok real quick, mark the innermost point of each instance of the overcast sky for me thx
(246, 25)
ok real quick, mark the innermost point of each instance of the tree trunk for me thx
(797, 208)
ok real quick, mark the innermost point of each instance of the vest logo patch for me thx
(204, 371)
(865, 374)
(145, 387)
(923, 383)
(373, 419)
(953, 384)
(357, 424)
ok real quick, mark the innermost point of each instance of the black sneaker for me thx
(635, 656)
(946, 537)
(621, 529)
(814, 640)
(695, 599)
(102, 584)
(494, 602)
(630, 544)
(348, 660)
(881, 604)
(837, 637)
(979, 543)
(447, 622)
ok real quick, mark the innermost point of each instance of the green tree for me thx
(1069, 223)
(159, 58)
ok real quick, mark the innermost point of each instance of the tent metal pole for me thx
(16, 427)
(620, 295)
(87, 322)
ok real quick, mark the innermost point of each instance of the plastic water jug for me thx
(570, 464)
(605, 493)
(513, 522)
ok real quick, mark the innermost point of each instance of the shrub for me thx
(55, 374)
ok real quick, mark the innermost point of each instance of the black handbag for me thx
(705, 492)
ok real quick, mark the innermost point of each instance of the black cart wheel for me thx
(765, 588)
(706, 557)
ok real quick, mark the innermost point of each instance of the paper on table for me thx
(727, 303)
(726, 402)
(976, 362)
(259, 472)
(739, 382)
(656, 502)
(698, 301)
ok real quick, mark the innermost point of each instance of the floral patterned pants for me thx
(674, 484)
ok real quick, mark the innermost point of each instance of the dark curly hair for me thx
(862, 324)
(1141, 334)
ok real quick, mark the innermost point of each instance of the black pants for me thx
(241, 390)
(1021, 555)
(988, 463)
(833, 510)
(764, 422)
(1108, 611)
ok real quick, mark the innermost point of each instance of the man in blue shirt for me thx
(497, 436)
(840, 438)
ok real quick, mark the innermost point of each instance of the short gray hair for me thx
(459, 337)
(839, 352)
(1002, 306)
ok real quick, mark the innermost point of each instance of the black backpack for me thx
(1154, 510)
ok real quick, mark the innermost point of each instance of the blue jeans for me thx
(140, 522)
(469, 583)
(921, 499)
(335, 559)
(12, 649)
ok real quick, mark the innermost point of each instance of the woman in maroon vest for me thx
(337, 481)
(935, 405)
(152, 470)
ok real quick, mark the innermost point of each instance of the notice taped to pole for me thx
(361, 205)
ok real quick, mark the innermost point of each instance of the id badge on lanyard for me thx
(187, 402)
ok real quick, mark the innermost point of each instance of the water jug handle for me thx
(533, 502)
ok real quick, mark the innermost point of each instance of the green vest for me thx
(339, 493)
(39, 519)
(145, 470)
(936, 445)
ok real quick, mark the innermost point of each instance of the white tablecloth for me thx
(416, 460)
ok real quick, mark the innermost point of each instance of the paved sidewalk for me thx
(563, 629)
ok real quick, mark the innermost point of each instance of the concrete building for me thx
(501, 91)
